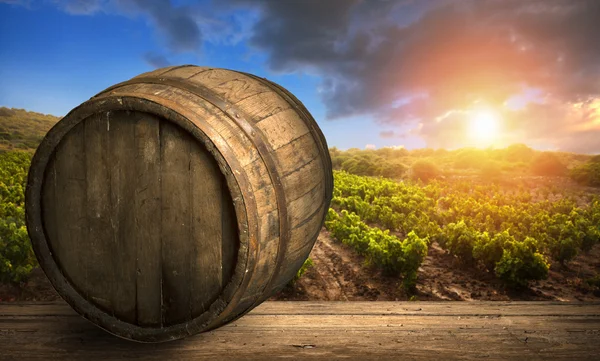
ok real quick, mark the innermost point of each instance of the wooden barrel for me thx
(177, 201)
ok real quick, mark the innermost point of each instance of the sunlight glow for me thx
(484, 125)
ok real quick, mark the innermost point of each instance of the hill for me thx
(513, 162)
(23, 130)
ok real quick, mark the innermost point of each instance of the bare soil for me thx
(339, 274)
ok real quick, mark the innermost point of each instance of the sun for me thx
(484, 125)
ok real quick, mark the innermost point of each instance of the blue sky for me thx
(373, 74)
(51, 61)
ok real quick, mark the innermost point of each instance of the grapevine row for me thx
(509, 234)
(381, 249)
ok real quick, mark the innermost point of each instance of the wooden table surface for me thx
(326, 330)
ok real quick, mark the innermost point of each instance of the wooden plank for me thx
(185, 72)
(207, 231)
(122, 189)
(239, 88)
(147, 212)
(297, 153)
(69, 207)
(263, 105)
(49, 215)
(282, 128)
(352, 330)
(360, 308)
(306, 177)
(177, 248)
(230, 239)
(100, 240)
(214, 77)
(306, 205)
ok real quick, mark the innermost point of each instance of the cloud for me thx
(406, 62)
(25, 3)
(371, 54)
(156, 60)
(176, 25)
(80, 7)
(370, 146)
(387, 134)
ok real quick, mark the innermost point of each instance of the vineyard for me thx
(16, 256)
(511, 234)
(516, 234)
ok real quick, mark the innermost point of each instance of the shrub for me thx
(547, 164)
(588, 174)
(16, 255)
(518, 153)
(415, 251)
(489, 250)
(459, 240)
(521, 263)
(425, 170)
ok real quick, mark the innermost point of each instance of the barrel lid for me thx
(137, 219)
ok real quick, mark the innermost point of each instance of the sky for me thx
(373, 73)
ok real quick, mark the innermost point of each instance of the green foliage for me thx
(475, 223)
(369, 163)
(489, 250)
(381, 249)
(425, 170)
(308, 263)
(521, 263)
(588, 173)
(459, 240)
(16, 255)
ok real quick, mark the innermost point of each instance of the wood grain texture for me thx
(229, 234)
(327, 330)
(121, 151)
(148, 215)
(68, 208)
(153, 179)
(101, 275)
(263, 105)
(207, 231)
(177, 248)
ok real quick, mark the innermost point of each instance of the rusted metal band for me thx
(257, 138)
(308, 120)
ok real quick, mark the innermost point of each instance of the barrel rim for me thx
(37, 234)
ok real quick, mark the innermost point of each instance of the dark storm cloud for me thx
(176, 24)
(156, 60)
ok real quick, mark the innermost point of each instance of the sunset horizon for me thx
(439, 74)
